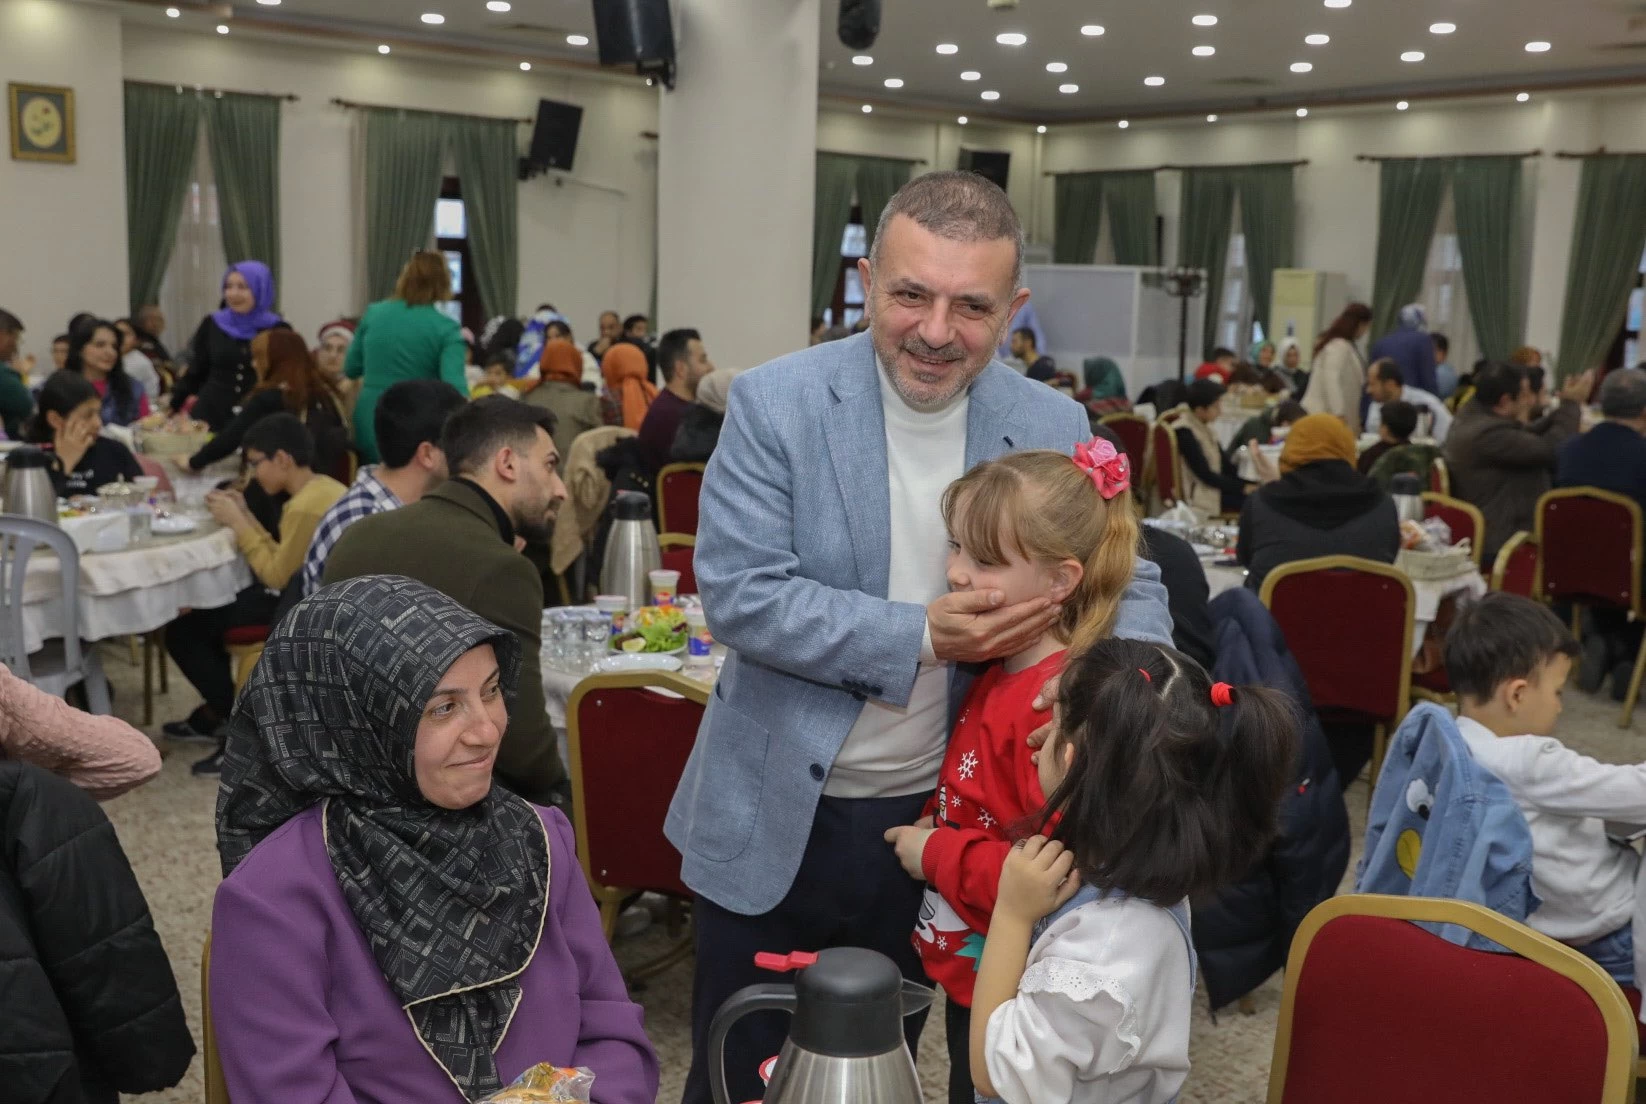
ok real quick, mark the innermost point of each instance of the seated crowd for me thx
(972, 715)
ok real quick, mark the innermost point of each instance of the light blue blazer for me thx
(793, 558)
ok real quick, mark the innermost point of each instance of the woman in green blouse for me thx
(403, 338)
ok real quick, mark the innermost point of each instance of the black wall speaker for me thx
(554, 140)
(637, 33)
(859, 23)
(995, 165)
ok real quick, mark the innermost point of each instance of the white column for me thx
(736, 162)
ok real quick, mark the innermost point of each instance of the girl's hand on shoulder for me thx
(1037, 879)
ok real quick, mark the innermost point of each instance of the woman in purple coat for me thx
(391, 926)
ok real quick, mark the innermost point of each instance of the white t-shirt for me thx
(1586, 881)
(1440, 416)
(1102, 1013)
(891, 752)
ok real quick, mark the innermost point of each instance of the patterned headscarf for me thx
(451, 902)
(624, 369)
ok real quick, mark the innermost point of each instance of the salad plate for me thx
(638, 661)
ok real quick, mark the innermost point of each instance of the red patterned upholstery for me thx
(680, 559)
(1588, 549)
(1387, 1013)
(678, 486)
(245, 635)
(1350, 631)
(1165, 462)
(1133, 432)
(633, 743)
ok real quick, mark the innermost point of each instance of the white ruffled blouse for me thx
(1102, 1013)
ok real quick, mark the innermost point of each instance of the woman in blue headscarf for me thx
(220, 374)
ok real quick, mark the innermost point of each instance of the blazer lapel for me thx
(855, 428)
(991, 426)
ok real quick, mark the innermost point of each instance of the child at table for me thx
(1028, 525)
(1508, 659)
(1163, 785)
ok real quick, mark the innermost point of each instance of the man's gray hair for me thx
(957, 205)
(1623, 394)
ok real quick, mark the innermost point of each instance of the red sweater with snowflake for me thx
(988, 787)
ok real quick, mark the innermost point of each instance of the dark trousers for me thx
(849, 892)
(957, 1021)
(195, 643)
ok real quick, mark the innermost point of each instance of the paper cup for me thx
(617, 606)
(664, 585)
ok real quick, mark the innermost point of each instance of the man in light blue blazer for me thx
(821, 558)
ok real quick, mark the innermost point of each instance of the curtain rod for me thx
(289, 97)
(1181, 168)
(1600, 151)
(1448, 157)
(425, 111)
(875, 157)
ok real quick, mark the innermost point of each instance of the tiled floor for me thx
(166, 828)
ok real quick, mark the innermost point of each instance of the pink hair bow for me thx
(1110, 469)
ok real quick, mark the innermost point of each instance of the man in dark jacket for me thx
(90, 1007)
(460, 539)
(1497, 461)
(1244, 932)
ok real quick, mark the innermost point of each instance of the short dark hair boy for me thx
(1502, 639)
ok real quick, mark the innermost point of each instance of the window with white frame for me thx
(1632, 320)
(1235, 313)
(1444, 296)
(193, 284)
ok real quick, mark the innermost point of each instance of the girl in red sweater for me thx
(1031, 524)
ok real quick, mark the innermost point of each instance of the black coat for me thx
(1244, 932)
(88, 1004)
(699, 432)
(220, 375)
(1187, 594)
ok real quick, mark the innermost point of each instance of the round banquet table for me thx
(137, 590)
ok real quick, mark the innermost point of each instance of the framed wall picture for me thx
(42, 122)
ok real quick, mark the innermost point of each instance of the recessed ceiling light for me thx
(269, 3)
(1091, 30)
(947, 48)
(1068, 89)
(1204, 51)
(383, 49)
(1057, 67)
(1154, 82)
(1338, 3)
(862, 59)
(1302, 67)
(577, 40)
(1041, 129)
(1523, 97)
(222, 28)
(971, 74)
(1442, 28)
(1204, 21)
(433, 17)
(991, 95)
(1302, 113)
(1412, 55)
(1317, 39)
(894, 82)
(868, 109)
(963, 120)
(1402, 105)
(1537, 47)
(173, 13)
(1211, 118)
(1123, 124)
(497, 5)
(1011, 38)
(525, 67)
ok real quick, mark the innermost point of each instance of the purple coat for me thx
(303, 1015)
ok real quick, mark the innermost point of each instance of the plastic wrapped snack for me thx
(546, 1084)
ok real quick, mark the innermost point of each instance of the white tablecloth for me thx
(138, 590)
(1221, 579)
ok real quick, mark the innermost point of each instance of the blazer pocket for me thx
(733, 773)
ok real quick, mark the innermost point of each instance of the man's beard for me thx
(914, 346)
(536, 525)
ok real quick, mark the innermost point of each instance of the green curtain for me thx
(1607, 241)
(878, 179)
(836, 180)
(162, 131)
(1078, 214)
(1130, 199)
(403, 161)
(1486, 197)
(245, 158)
(1268, 217)
(1409, 195)
(1207, 211)
(487, 153)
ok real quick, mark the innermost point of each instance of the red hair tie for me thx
(1145, 675)
(1222, 694)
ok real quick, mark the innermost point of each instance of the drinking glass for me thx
(554, 636)
(597, 631)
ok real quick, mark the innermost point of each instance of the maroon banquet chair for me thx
(1515, 571)
(1133, 431)
(679, 550)
(678, 486)
(1168, 465)
(1462, 518)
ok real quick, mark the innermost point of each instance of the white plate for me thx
(638, 661)
(173, 526)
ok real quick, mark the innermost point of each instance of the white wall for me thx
(63, 227)
(1337, 196)
(585, 245)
